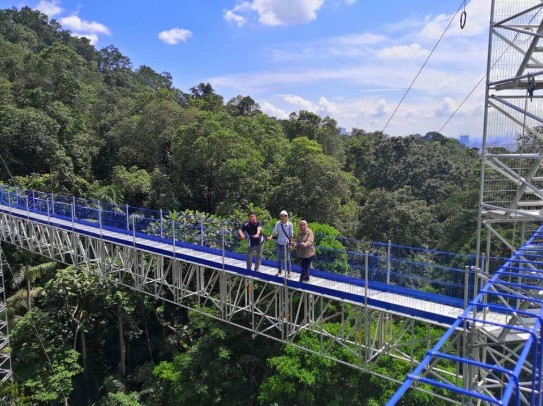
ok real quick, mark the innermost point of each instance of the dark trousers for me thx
(254, 250)
(306, 264)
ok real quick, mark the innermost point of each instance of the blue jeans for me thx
(281, 257)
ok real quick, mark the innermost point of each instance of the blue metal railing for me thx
(516, 281)
(432, 273)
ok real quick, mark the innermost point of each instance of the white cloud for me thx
(358, 39)
(447, 107)
(93, 38)
(231, 16)
(175, 36)
(477, 12)
(328, 106)
(323, 106)
(300, 102)
(355, 46)
(82, 28)
(281, 12)
(51, 8)
(365, 77)
(356, 77)
(412, 51)
(76, 24)
(271, 110)
(278, 12)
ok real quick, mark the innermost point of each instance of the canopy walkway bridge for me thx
(370, 312)
(369, 300)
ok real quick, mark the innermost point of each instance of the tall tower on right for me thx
(511, 194)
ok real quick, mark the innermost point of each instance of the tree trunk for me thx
(84, 349)
(28, 301)
(122, 360)
(148, 338)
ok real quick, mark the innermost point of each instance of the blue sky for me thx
(349, 59)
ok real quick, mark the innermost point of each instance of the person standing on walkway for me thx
(253, 229)
(305, 249)
(284, 231)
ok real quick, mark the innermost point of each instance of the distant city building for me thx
(342, 131)
(464, 139)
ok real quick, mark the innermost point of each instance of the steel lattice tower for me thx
(5, 350)
(511, 194)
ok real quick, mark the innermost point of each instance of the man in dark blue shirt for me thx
(253, 230)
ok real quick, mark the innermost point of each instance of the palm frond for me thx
(18, 301)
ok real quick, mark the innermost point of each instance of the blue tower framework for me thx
(500, 361)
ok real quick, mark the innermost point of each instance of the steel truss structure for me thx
(351, 333)
(511, 194)
(501, 360)
(5, 350)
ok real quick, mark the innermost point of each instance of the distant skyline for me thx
(349, 59)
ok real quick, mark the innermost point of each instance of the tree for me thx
(145, 139)
(215, 165)
(312, 184)
(148, 77)
(204, 97)
(30, 274)
(44, 363)
(28, 139)
(57, 72)
(396, 216)
(133, 184)
(242, 106)
(222, 365)
(115, 67)
(111, 59)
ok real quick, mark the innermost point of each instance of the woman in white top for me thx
(284, 232)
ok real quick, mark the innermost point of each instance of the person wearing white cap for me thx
(284, 231)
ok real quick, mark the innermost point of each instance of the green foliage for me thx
(134, 185)
(397, 216)
(122, 399)
(39, 345)
(12, 394)
(331, 254)
(305, 378)
(301, 377)
(223, 365)
(57, 384)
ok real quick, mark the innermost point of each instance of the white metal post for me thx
(173, 238)
(72, 209)
(100, 217)
(388, 261)
(202, 232)
(161, 225)
(134, 230)
(48, 212)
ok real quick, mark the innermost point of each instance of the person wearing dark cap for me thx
(284, 232)
(253, 229)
